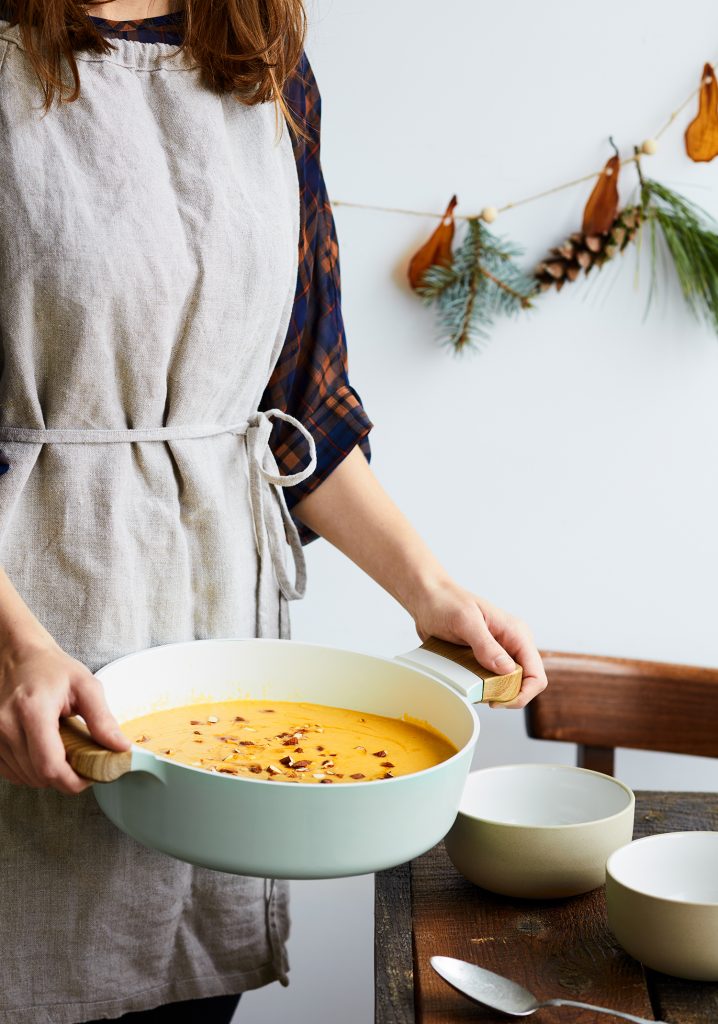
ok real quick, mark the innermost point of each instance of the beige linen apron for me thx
(148, 260)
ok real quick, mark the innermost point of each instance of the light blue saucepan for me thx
(281, 829)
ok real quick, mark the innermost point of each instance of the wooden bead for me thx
(649, 147)
(489, 214)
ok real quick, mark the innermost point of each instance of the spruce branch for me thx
(481, 283)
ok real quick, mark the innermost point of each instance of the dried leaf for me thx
(602, 205)
(436, 250)
(702, 132)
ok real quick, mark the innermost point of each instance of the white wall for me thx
(569, 471)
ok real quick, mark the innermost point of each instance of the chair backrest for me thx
(603, 703)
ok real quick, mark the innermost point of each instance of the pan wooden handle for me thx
(88, 758)
(498, 688)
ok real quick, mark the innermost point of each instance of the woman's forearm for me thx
(18, 626)
(354, 513)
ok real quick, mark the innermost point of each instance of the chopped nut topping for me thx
(247, 743)
(228, 771)
(198, 741)
(291, 742)
(287, 760)
(240, 719)
(196, 732)
(267, 711)
(301, 764)
(361, 748)
(166, 751)
(387, 764)
(380, 753)
(273, 770)
(324, 780)
(299, 750)
(387, 775)
(255, 768)
(193, 721)
(142, 739)
(248, 728)
(320, 748)
(357, 775)
(318, 775)
(327, 764)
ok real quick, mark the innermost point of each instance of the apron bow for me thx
(271, 517)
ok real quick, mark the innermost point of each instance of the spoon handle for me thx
(600, 1009)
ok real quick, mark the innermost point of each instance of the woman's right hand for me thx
(40, 684)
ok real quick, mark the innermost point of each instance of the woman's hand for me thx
(39, 684)
(449, 612)
(351, 509)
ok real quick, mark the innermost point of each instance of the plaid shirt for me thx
(310, 380)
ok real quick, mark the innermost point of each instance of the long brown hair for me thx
(247, 46)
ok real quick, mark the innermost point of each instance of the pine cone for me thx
(582, 252)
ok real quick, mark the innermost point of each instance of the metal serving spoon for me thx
(506, 996)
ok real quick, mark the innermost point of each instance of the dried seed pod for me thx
(702, 133)
(436, 250)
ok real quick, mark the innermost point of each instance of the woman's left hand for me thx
(497, 639)
(351, 509)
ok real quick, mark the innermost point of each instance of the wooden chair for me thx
(603, 703)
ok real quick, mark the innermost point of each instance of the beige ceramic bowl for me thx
(539, 830)
(662, 896)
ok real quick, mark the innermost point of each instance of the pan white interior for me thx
(214, 670)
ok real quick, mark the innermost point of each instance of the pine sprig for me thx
(481, 283)
(691, 237)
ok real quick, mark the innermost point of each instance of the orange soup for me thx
(290, 742)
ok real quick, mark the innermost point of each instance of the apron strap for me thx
(273, 523)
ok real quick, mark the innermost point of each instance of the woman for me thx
(170, 275)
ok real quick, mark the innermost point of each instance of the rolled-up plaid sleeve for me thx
(310, 380)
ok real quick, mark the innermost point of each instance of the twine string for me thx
(531, 198)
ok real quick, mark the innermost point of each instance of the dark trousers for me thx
(216, 1010)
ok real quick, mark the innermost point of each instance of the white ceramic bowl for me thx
(539, 830)
(662, 896)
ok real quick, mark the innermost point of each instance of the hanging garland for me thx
(476, 279)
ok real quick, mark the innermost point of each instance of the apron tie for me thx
(270, 515)
(271, 518)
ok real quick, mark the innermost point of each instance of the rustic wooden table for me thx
(554, 947)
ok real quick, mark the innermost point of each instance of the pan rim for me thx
(278, 641)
